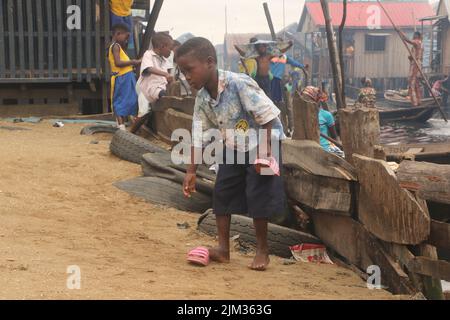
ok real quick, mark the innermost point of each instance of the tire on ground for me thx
(93, 129)
(279, 238)
(130, 147)
(165, 192)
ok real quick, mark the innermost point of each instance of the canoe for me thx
(428, 152)
(412, 114)
(396, 99)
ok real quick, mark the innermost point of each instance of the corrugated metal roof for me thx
(404, 14)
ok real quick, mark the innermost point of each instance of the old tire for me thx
(279, 238)
(165, 192)
(90, 130)
(130, 147)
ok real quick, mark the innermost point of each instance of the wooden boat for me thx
(397, 99)
(413, 114)
(428, 152)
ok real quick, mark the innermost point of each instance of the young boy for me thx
(155, 68)
(123, 80)
(233, 101)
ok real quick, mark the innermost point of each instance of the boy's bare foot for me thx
(219, 255)
(260, 262)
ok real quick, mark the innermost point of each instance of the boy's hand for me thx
(136, 62)
(169, 78)
(189, 184)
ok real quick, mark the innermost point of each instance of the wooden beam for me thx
(310, 157)
(334, 58)
(430, 180)
(306, 119)
(440, 234)
(269, 21)
(388, 211)
(360, 131)
(434, 268)
(351, 240)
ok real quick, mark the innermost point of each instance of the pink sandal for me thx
(199, 256)
(270, 164)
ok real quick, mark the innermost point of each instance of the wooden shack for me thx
(372, 48)
(443, 37)
(49, 63)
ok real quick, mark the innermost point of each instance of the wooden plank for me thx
(387, 210)
(360, 131)
(430, 267)
(50, 56)
(107, 39)
(30, 20)
(2, 43)
(432, 288)
(310, 156)
(12, 53)
(318, 192)
(440, 234)
(351, 240)
(60, 13)
(430, 180)
(69, 53)
(87, 35)
(98, 55)
(21, 40)
(306, 120)
(79, 50)
(40, 34)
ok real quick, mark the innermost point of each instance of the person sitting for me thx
(367, 95)
(155, 67)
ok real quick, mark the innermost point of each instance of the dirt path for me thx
(58, 208)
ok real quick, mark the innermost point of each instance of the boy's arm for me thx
(294, 63)
(119, 63)
(151, 70)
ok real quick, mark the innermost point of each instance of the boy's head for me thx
(197, 60)
(417, 35)
(121, 34)
(162, 44)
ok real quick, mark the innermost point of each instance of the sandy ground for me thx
(58, 208)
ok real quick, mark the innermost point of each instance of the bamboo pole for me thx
(334, 60)
(269, 21)
(416, 63)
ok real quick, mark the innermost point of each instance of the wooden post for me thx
(334, 59)
(306, 120)
(341, 50)
(269, 21)
(360, 131)
(432, 288)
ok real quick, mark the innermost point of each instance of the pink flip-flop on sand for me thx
(269, 163)
(199, 256)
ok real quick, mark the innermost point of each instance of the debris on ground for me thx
(309, 252)
(183, 225)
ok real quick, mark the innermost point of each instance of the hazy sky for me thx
(206, 18)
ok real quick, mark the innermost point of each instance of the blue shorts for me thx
(276, 90)
(124, 97)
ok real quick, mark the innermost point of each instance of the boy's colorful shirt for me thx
(240, 106)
